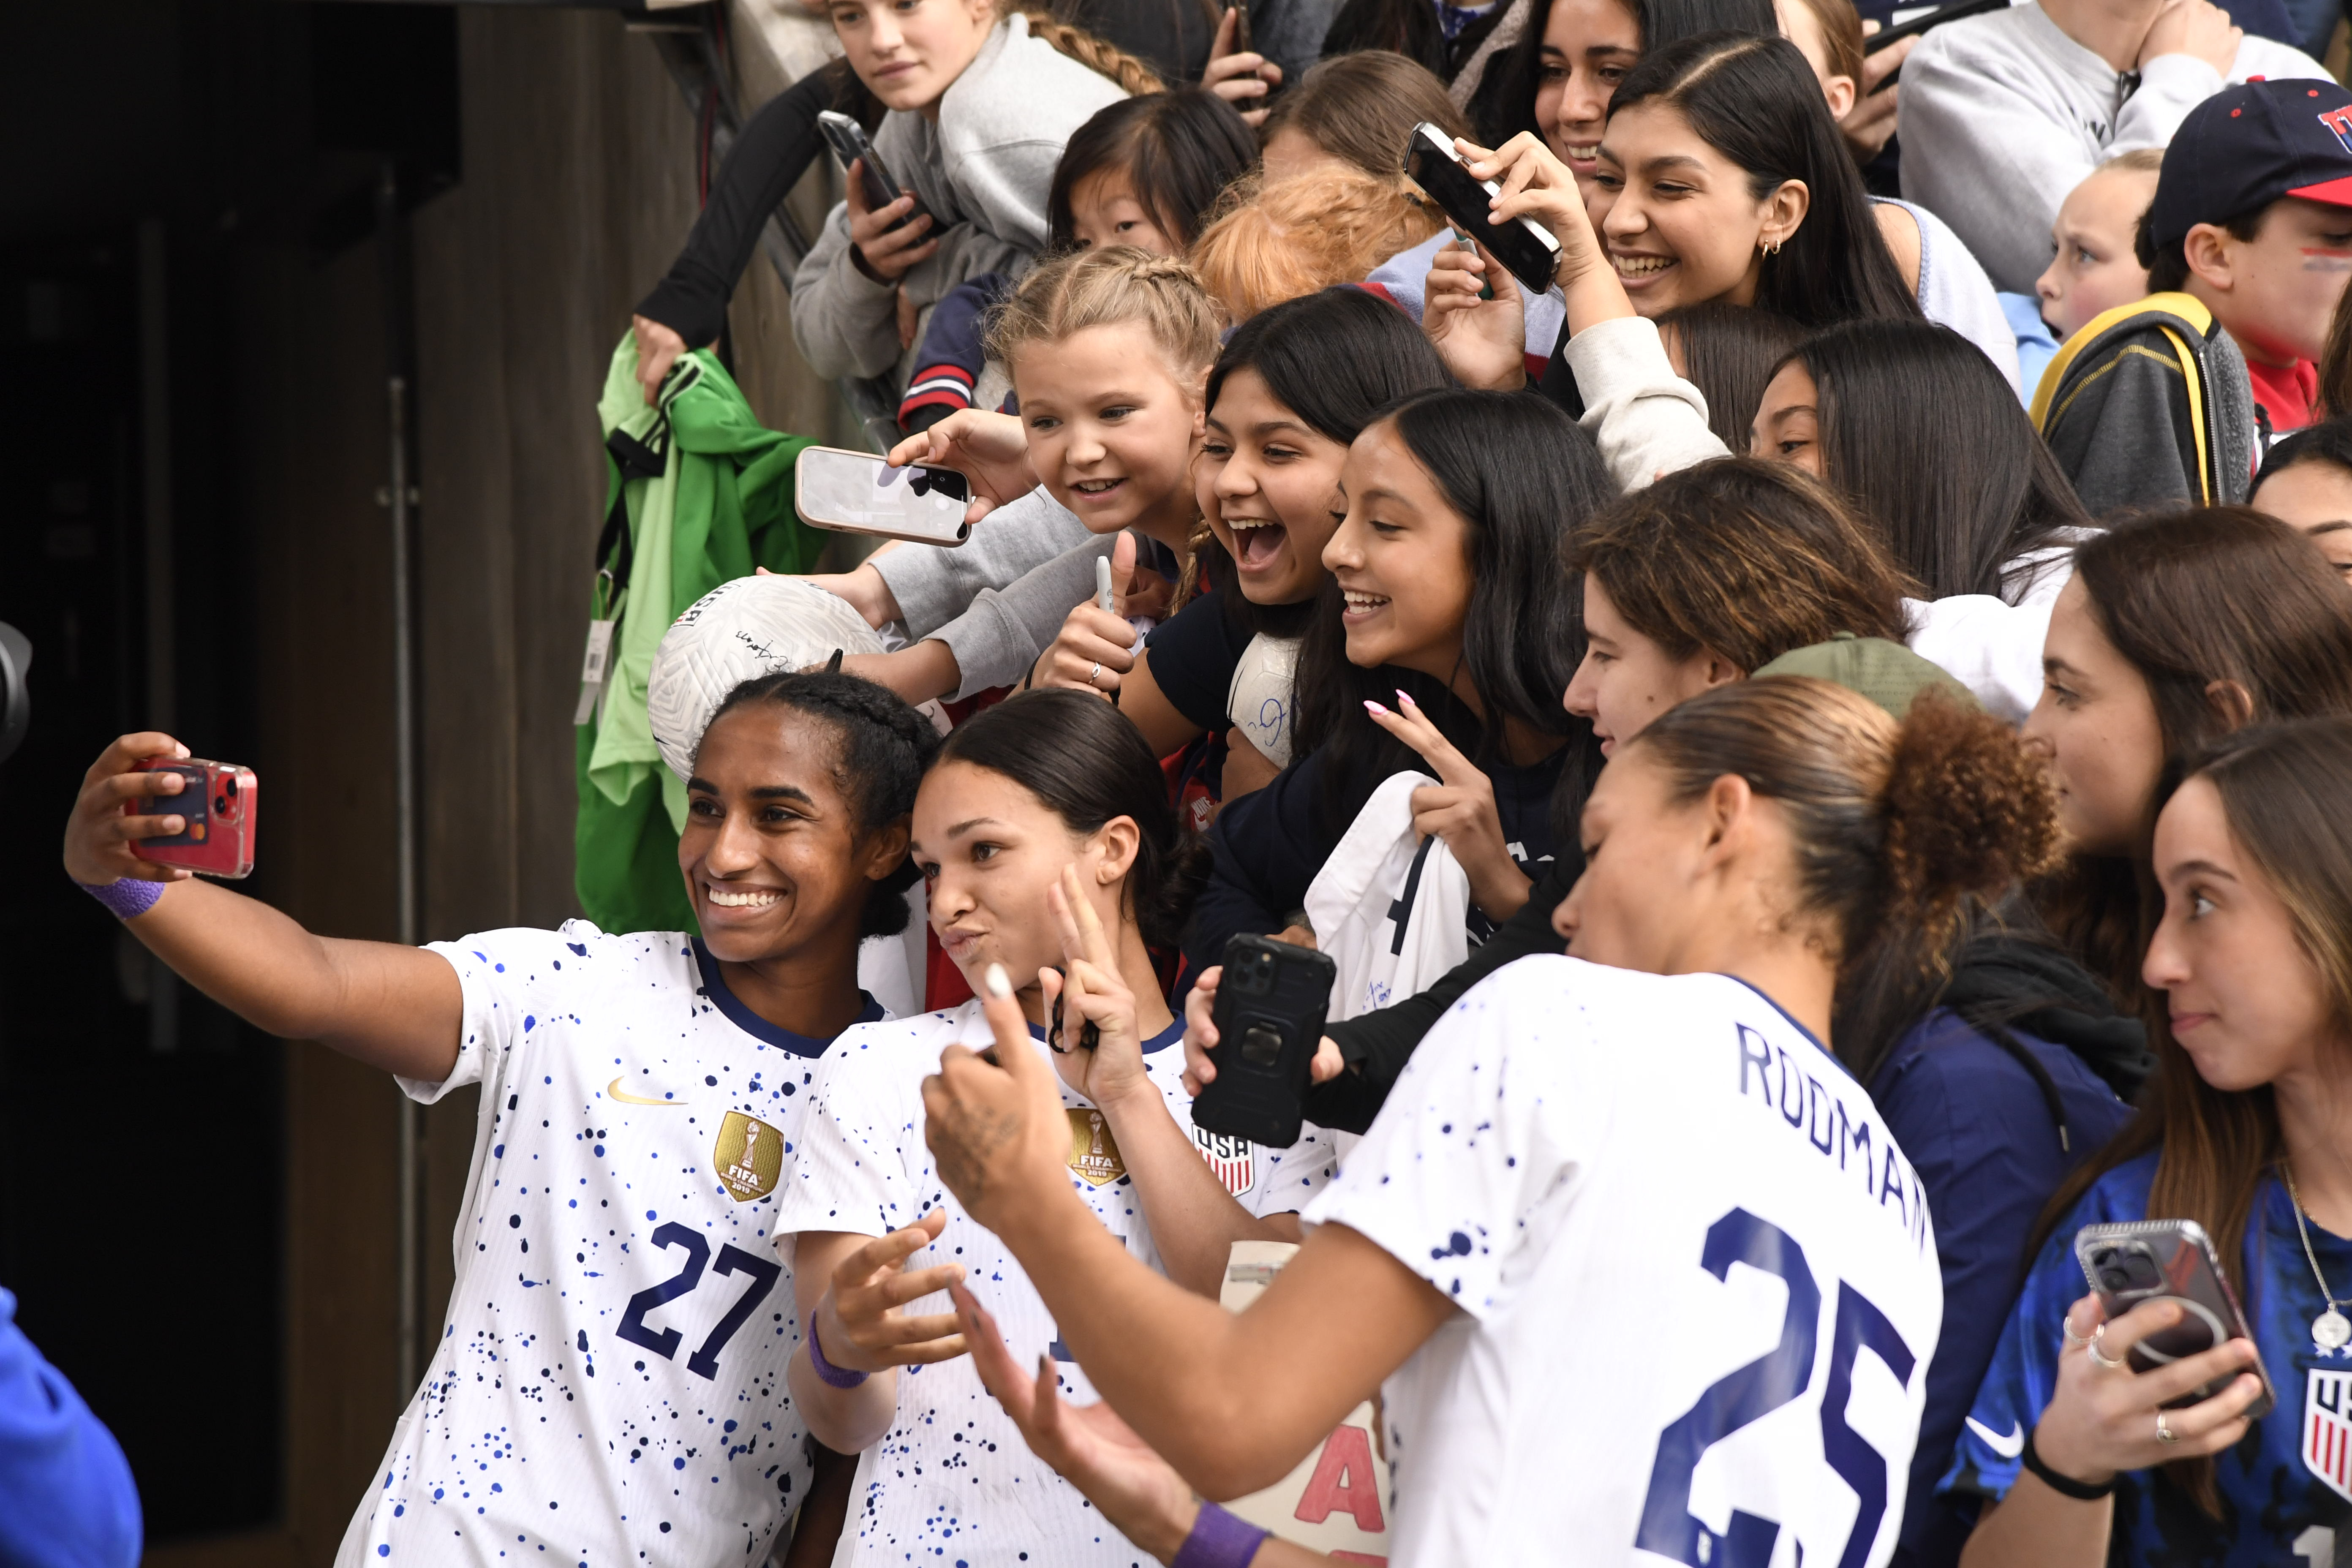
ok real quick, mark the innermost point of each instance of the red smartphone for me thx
(217, 801)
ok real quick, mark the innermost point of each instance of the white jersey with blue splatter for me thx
(952, 1483)
(1697, 1280)
(609, 1388)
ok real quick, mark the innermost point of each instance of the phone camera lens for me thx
(2114, 1279)
(229, 788)
(220, 804)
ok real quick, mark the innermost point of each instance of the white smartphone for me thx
(857, 492)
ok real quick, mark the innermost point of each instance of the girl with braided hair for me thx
(980, 98)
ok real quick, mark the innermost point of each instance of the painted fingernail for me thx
(1372, 707)
(1403, 701)
(999, 984)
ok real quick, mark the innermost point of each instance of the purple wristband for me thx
(127, 899)
(1218, 1541)
(827, 1373)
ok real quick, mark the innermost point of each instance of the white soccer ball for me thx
(750, 626)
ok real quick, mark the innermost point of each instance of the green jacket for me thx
(720, 505)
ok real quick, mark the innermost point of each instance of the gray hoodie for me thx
(983, 170)
(2004, 115)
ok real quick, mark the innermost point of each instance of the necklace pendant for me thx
(2331, 1331)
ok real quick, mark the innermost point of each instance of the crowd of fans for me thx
(1817, 745)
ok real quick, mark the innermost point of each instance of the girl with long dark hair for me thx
(1049, 848)
(1293, 387)
(2079, 1458)
(1445, 596)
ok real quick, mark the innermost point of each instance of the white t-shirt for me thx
(609, 1388)
(953, 1482)
(1698, 1282)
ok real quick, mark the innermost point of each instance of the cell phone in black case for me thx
(2169, 1260)
(1525, 247)
(852, 146)
(1271, 1003)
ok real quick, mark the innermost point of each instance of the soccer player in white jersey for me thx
(1645, 1276)
(609, 1388)
(1047, 839)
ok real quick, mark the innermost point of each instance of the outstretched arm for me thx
(399, 1009)
(1233, 1402)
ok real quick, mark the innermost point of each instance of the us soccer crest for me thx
(1093, 1152)
(1229, 1158)
(749, 1155)
(2327, 1428)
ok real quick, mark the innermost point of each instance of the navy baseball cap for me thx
(2247, 146)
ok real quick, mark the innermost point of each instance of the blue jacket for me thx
(1978, 1130)
(65, 1496)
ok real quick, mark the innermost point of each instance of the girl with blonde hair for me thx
(1287, 240)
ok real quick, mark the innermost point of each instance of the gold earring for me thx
(1772, 248)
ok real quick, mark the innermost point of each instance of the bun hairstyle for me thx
(1089, 764)
(1278, 242)
(1755, 100)
(882, 749)
(1896, 825)
(1116, 285)
(1919, 428)
(1743, 558)
(1179, 151)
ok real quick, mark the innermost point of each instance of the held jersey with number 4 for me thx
(1697, 1282)
(609, 1388)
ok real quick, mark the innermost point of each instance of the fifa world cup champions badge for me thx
(1093, 1152)
(748, 1157)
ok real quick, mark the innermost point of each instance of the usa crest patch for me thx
(2327, 1428)
(1230, 1157)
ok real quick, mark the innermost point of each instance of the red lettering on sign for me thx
(1343, 1483)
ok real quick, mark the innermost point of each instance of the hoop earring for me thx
(1772, 249)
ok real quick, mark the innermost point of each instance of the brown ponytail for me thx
(1097, 56)
(1896, 825)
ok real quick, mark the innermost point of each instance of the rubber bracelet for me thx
(1218, 1541)
(125, 899)
(827, 1373)
(2065, 1486)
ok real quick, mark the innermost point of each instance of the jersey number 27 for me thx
(1762, 1386)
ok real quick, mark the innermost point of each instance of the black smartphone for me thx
(1526, 248)
(1241, 29)
(2169, 1260)
(852, 146)
(1270, 1002)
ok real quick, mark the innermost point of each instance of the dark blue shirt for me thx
(65, 1496)
(1981, 1136)
(2286, 1489)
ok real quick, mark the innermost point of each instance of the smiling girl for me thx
(637, 1093)
(1108, 350)
(1295, 385)
(1050, 852)
(979, 99)
(1445, 584)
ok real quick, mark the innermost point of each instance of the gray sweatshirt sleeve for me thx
(1645, 419)
(1955, 292)
(999, 638)
(845, 323)
(935, 587)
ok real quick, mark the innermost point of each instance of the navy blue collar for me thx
(1158, 1042)
(1792, 1022)
(714, 987)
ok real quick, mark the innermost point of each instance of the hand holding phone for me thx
(2168, 1261)
(216, 803)
(992, 450)
(1527, 247)
(857, 492)
(1270, 1002)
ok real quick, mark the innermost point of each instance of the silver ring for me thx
(2074, 1342)
(2098, 1343)
(2163, 1431)
(1094, 673)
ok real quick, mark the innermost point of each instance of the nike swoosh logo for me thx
(626, 1097)
(2007, 1448)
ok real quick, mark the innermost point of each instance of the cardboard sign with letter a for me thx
(1336, 1501)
